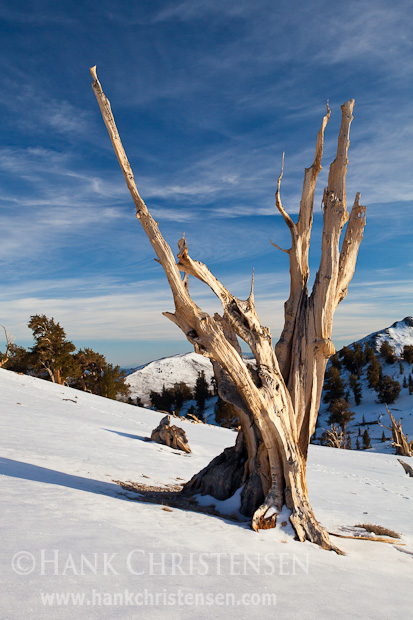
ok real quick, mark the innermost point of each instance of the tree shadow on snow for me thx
(165, 497)
(140, 437)
(27, 471)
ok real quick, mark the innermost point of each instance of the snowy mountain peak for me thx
(166, 372)
(397, 335)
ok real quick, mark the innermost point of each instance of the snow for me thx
(166, 372)
(397, 335)
(68, 528)
(372, 410)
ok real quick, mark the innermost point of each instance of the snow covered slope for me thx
(75, 545)
(370, 409)
(397, 335)
(166, 372)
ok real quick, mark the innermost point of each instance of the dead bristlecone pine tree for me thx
(277, 403)
(171, 436)
(400, 441)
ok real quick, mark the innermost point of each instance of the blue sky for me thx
(207, 95)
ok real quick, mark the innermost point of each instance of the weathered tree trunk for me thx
(278, 402)
(10, 343)
(171, 436)
(407, 468)
(400, 441)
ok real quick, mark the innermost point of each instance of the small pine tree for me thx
(389, 390)
(356, 387)
(408, 353)
(363, 421)
(191, 411)
(366, 440)
(404, 382)
(368, 353)
(334, 360)
(333, 385)
(401, 368)
(348, 359)
(181, 393)
(20, 360)
(383, 437)
(162, 401)
(387, 351)
(359, 358)
(374, 372)
(410, 385)
(359, 432)
(51, 354)
(357, 444)
(112, 383)
(201, 391)
(340, 413)
(348, 443)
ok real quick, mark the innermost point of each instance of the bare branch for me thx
(338, 169)
(335, 216)
(278, 247)
(10, 342)
(278, 202)
(305, 218)
(400, 441)
(159, 244)
(350, 248)
(241, 314)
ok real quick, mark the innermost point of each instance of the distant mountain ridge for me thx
(397, 335)
(166, 372)
(186, 366)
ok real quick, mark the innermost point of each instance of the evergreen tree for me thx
(410, 385)
(366, 440)
(191, 411)
(401, 368)
(51, 355)
(374, 372)
(368, 353)
(201, 391)
(181, 393)
(89, 369)
(333, 385)
(226, 414)
(162, 401)
(340, 413)
(389, 390)
(356, 387)
(359, 432)
(383, 437)
(357, 444)
(348, 359)
(20, 360)
(334, 360)
(387, 351)
(214, 387)
(408, 353)
(359, 358)
(112, 382)
(92, 373)
(404, 382)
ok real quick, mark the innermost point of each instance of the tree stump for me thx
(171, 436)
